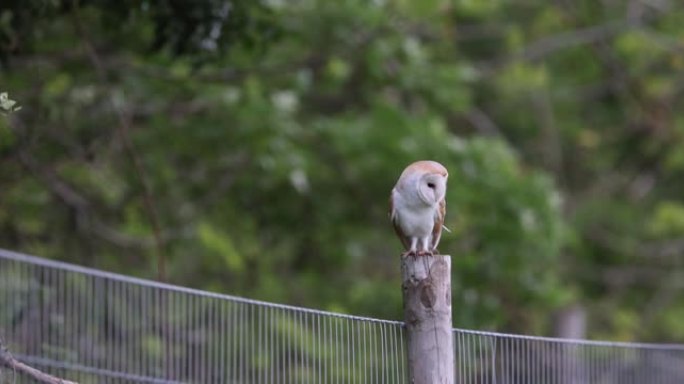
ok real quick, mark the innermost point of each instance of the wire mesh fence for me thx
(92, 327)
(97, 327)
(487, 357)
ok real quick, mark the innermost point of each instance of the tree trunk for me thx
(426, 284)
(571, 323)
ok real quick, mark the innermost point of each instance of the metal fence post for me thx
(426, 285)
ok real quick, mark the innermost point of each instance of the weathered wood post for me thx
(426, 285)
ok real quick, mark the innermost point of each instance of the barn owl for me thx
(418, 205)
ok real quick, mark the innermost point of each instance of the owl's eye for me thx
(431, 185)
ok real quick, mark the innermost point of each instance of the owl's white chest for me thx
(414, 220)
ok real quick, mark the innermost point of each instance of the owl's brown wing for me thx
(405, 241)
(439, 223)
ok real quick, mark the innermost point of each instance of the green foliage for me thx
(509, 220)
(668, 219)
(198, 29)
(270, 149)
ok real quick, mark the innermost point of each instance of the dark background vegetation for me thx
(249, 147)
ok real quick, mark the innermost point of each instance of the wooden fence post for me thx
(426, 285)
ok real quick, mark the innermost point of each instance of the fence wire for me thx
(97, 327)
(487, 357)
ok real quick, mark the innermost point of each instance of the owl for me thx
(418, 206)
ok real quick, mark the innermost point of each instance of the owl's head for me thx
(428, 179)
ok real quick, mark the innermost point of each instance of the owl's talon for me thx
(408, 253)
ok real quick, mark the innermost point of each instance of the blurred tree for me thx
(272, 132)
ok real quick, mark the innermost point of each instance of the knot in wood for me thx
(427, 295)
(411, 317)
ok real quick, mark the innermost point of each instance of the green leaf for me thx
(221, 244)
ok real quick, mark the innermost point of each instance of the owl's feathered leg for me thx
(413, 248)
(425, 248)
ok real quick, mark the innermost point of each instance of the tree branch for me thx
(124, 127)
(549, 45)
(482, 122)
(8, 361)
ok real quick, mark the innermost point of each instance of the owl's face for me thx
(431, 188)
